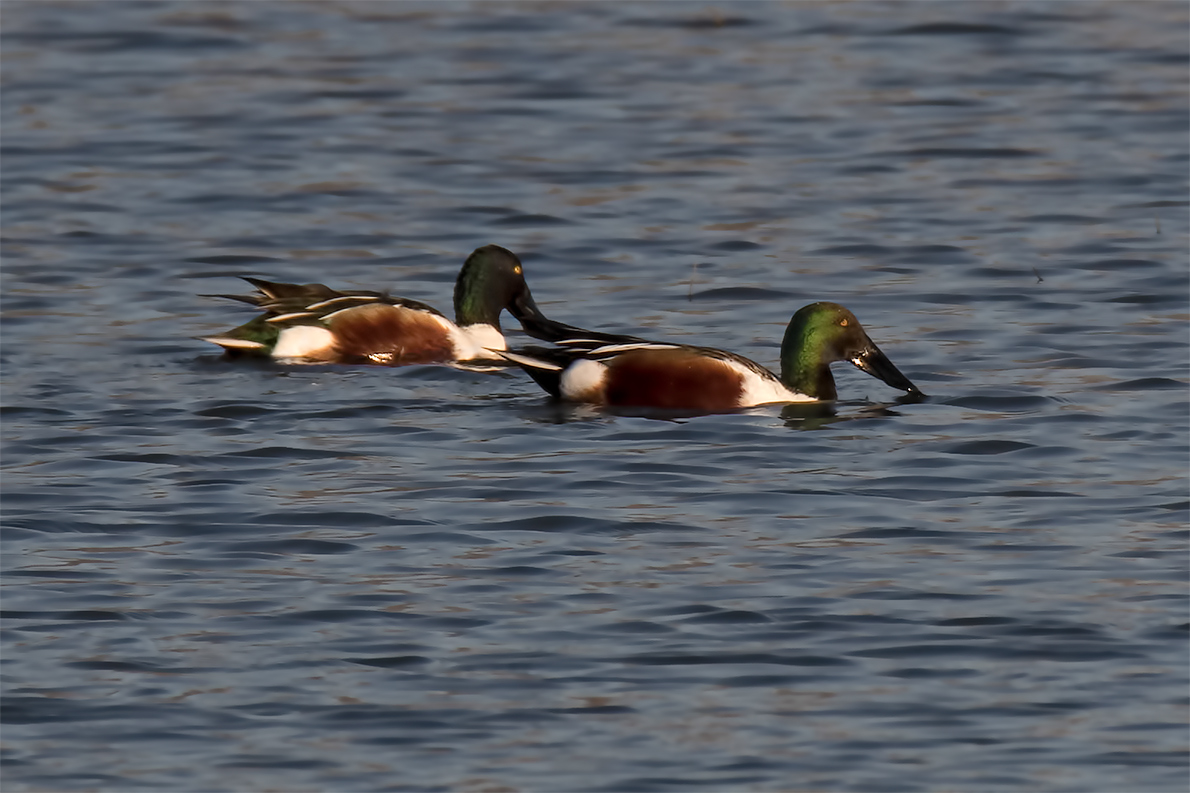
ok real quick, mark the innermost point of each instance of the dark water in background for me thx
(239, 577)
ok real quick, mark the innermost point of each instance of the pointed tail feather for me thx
(276, 290)
(252, 300)
(545, 366)
(236, 347)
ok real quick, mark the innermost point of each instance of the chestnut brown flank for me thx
(408, 336)
(675, 379)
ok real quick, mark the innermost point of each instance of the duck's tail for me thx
(275, 297)
(544, 364)
(281, 303)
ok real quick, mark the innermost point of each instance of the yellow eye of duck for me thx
(843, 323)
(516, 269)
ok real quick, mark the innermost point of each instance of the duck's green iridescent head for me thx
(820, 334)
(491, 280)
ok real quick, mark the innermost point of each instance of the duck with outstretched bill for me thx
(625, 371)
(314, 323)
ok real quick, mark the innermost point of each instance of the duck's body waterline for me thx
(315, 323)
(633, 372)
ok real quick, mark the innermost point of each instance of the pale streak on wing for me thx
(613, 349)
(333, 300)
(534, 363)
(293, 315)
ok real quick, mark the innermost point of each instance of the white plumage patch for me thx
(303, 341)
(759, 390)
(482, 339)
(583, 381)
(465, 347)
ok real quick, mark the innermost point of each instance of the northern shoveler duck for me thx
(625, 371)
(312, 322)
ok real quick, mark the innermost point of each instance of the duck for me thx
(314, 323)
(626, 371)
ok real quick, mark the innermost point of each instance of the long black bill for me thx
(539, 326)
(535, 323)
(871, 360)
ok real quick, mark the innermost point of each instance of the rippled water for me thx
(221, 576)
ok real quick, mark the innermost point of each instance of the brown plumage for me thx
(382, 333)
(674, 378)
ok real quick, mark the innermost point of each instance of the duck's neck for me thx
(476, 303)
(802, 367)
(816, 382)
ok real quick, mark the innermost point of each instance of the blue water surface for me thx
(226, 576)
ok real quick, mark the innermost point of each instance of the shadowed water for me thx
(235, 576)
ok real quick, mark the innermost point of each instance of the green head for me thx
(820, 334)
(491, 280)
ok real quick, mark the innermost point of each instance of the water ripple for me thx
(332, 577)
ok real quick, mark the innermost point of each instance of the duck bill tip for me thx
(877, 364)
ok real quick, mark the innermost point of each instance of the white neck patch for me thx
(758, 390)
(478, 339)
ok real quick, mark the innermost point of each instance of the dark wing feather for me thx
(276, 298)
(724, 355)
